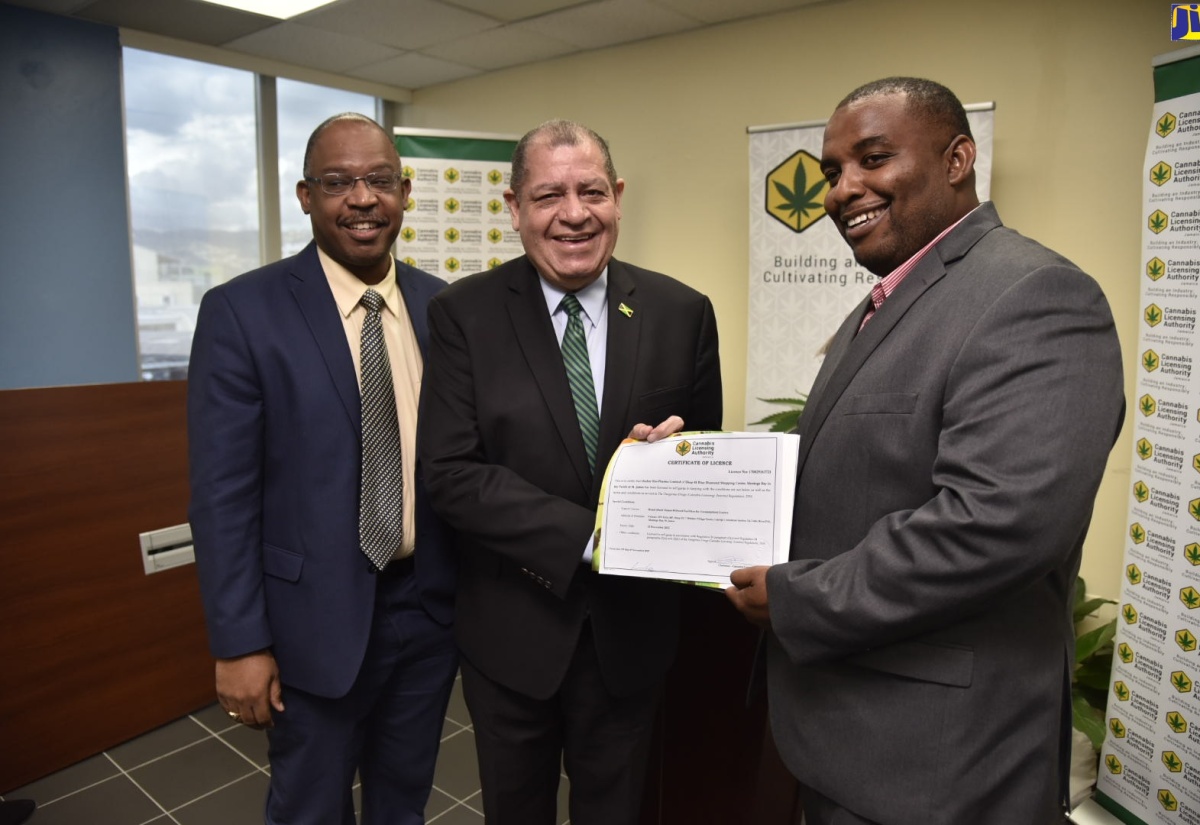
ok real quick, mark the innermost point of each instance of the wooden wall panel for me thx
(92, 651)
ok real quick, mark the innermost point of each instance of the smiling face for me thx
(896, 180)
(567, 212)
(356, 229)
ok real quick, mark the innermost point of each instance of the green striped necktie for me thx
(579, 375)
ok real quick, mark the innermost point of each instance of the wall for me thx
(1072, 84)
(65, 228)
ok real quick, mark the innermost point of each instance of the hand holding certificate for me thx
(696, 506)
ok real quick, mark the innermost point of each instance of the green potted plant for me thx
(1089, 688)
(783, 421)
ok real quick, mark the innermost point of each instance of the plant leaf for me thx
(1092, 641)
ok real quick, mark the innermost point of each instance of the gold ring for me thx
(234, 715)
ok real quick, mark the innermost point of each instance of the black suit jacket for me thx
(502, 454)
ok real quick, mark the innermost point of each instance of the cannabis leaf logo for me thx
(1196, 462)
(1167, 800)
(1129, 614)
(1160, 174)
(1158, 221)
(1171, 760)
(1185, 640)
(1165, 125)
(1194, 508)
(801, 198)
(452, 205)
(1147, 405)
(1121, 691)
(1133, 574)
(1150, 360)
(452, 264)
(1155, 269)
(494, 262)
(1189, 597)
(408, 234)
(1153, 315)
(1176, 722)
(495, 206)
(1141, 492)
(408, 171)
(1181, 682)
(790, 198)
(1192, 554)
(1118, 730)
(410, 261)
(451, 175)
(1125, 652)
(1137, 533)
(452, 235)
(1112, 763)
(494, 177)
(495, 235)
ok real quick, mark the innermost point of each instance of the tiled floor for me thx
(202, 769)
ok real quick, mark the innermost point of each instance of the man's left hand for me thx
(749, 594)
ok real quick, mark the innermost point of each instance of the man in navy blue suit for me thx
(345, 660)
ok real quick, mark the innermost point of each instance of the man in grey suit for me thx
(920, 641)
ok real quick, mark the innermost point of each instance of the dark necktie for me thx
(579, 375)
(380, 511)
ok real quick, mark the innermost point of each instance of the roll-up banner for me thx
(456, 222)
(1150, 762)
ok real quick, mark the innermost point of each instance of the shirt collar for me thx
(348, 290)
(591, 297)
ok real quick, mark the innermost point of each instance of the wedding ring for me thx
(234, 715)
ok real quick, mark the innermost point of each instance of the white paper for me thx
(698, 506)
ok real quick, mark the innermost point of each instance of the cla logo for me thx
(795, 192)
(683, 448)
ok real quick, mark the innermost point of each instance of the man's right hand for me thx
(248, 687)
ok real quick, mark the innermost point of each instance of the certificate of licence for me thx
(697, 506)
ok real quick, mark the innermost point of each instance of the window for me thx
(191, 153)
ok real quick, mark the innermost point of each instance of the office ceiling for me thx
(415, 43)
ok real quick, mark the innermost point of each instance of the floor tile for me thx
(457, 709)
(457, 771)
(450, 727)
(238, 804)
(439, 802)
(458, 815)
(249, 742)
(182, 777)
(68, 780)
(564, 793)
(156, 743)
(116, 801)
(215, 718)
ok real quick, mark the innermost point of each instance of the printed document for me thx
(697, 506)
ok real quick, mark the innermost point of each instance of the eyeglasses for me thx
(381, 183)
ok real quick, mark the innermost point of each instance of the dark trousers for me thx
(387, 728)
(601, 741)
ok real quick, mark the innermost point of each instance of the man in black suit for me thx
(560, 665)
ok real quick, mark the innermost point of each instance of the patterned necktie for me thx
(877, 296)
(380, 510)
(579, 375)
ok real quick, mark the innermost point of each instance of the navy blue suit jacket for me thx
(274, 444)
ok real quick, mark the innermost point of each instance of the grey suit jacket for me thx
(951, 451)
(503, 456)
